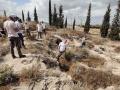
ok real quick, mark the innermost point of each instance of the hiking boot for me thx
(22, 56)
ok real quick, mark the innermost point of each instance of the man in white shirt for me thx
(20, 32)
(26, 26)
(62, 48)
(12, 30)
(44, 27)
(39, 30)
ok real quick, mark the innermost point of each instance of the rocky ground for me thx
(95, 67)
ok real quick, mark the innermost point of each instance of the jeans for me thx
(21, 40)
(14, 41)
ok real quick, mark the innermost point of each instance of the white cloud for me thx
(72, 8)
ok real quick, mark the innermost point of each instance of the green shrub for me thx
(6, 74)
(29, 74)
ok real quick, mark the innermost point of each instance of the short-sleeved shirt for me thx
(18, 24)
(26, 26)
(83, 39)
(43, 25)
(39, 27)
(62, 46)
(9, 26)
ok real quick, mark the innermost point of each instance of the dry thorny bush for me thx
(6, 75)
(30, 74)
(94, 61)
(35, 48)
(93, 79)
(4, 50)
(98, 41)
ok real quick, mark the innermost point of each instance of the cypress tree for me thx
(115, 30)
(61, 16)
(23, 16)
(50, 14)
(5, 13)
(74, 24)
(28, 17)
(35, 15)
(66, 23)
(55, 18)
(87, 23)
(105, 24)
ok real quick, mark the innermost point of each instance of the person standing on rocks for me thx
(44, 27)
(39, 29)
(20, 32)
(12, 30)
(62, 48)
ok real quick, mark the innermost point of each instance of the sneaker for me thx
(22, 56)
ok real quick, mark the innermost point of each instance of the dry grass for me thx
(2, 19)
(99, 41)
(3, 40)
(4, 50)
(89, 44)
(32, 37)
(32, 26)
(6, 75)
(93, 79)
(30, 74)
(35, 48)
(83, 54)
(94, 61)
(5, 87)
(69, 55)
(117, 49)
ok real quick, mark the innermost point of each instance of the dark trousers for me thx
(60, 53)
(83, 44)
(21, 40)
(14, 41)
(39, 35)
(44, 30)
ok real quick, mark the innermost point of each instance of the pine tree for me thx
(115, 30)
(28, 17)
(50, 14)
(35, 15)
(23, 16)
(74, 24)
(105, 24)
(5, 13)
(55, 18)
(87, 23)
(61, 17)
(66, 23)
